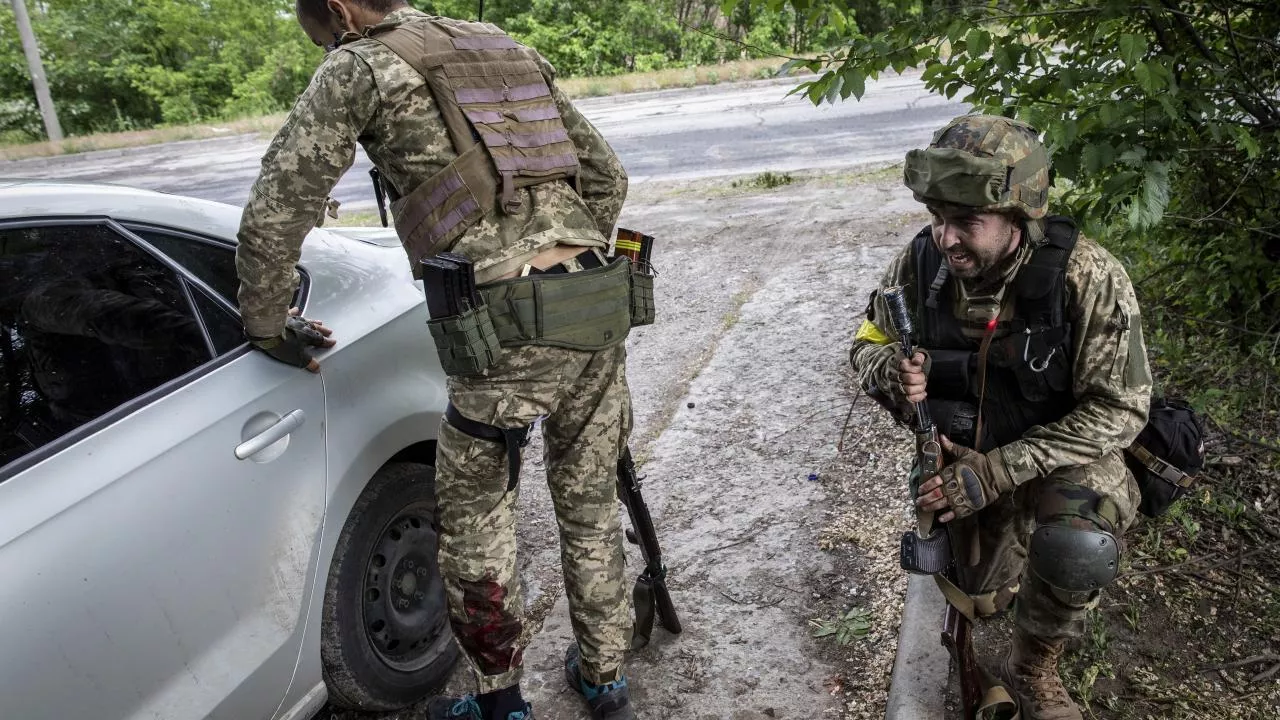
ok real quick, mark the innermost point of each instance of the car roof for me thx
(22, 199)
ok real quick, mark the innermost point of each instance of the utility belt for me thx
(590, 309)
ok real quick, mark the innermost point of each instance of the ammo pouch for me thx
(586, 310)
(958, 420)
(642, 306)
(467, 344)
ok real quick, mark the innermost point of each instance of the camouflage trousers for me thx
(585, 407)
(1099, 496)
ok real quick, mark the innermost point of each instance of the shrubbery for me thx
(132, 64)
(1163, 120)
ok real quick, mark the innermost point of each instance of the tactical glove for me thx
(292, 345)
(970, 481)
(891, 380)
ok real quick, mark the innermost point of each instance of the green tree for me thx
(128, 64)
(1163, 119)
(125, 64)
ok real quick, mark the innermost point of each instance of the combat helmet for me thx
(984, 162)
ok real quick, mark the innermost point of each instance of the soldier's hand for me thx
(971, 481)
(911, 377)
(293, 345)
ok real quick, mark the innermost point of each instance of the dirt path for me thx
(741, 397)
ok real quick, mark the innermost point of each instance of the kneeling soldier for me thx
(1035, 372)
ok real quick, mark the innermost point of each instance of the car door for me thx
(161, 487)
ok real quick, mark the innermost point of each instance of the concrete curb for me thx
(921, 670)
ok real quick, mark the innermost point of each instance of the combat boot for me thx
(1031, 672)
(611, 701)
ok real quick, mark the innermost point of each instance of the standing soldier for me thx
(482, 156)
(1035, 371)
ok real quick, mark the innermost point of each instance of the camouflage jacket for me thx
(1111, 380)
(363, 92)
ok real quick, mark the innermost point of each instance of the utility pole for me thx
(32, 51)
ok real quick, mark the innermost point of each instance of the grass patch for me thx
(139, 138)
(574, 87)
(356, 218)
(670, 78)
(766, 180)
(734, 314)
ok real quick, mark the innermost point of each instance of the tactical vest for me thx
(501, 118)
(1028, 369)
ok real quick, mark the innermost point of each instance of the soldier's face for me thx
(973, 243)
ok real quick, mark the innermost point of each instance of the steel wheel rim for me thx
(401, 581)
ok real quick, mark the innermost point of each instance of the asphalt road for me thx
(731, 129)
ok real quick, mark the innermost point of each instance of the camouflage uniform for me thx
(363, 92)
(1066, 471)
(1069, 472)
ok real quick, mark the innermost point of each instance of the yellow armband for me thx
(870, 333)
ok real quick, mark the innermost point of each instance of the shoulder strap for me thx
(931, 277)
(420, 44)
(1041, 284)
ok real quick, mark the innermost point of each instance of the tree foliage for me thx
(126, 64)
(1162, 117)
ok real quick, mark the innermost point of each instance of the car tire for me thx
(386, 638)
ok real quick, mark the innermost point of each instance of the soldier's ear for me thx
(343, 14)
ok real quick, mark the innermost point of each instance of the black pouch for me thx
(958, 420)
(643, 310)
(467, 343)
(1167, 455)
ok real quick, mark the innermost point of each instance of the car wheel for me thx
(386, 637)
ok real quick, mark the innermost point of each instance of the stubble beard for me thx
(981, 262)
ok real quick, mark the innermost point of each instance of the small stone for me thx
(770, 712)
(689, 405)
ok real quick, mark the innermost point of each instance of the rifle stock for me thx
(650, 594)
(956, 629)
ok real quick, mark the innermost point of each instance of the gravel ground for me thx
(769, 522)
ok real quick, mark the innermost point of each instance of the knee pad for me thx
(1073, 560)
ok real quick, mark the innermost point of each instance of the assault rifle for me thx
(650, 594)
(929, 550)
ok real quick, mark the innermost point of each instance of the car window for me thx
(88, 321)
(212, 262)
(224, 328)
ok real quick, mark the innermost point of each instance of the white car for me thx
(188, 528)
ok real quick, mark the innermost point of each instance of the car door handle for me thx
(271, 435)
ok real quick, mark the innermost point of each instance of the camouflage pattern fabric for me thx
(1062, 467)
(1024, 165)
(1110, 376)
(585, 405)
(363, 92)
(1099, 496)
